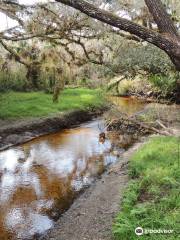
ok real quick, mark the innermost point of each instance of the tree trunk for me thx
(166, 39)
(33, 72)
(59, 84)
(161, 17)
(166, 28)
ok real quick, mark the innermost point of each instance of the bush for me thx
(124, 87)
(165, 83)
(13, 81)
(131, 58)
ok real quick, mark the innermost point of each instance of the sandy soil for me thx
(91, 215)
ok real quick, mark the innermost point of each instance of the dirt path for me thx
(91, 215)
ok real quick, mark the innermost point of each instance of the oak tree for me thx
(166, 38)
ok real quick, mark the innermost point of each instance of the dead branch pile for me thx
(132, 125)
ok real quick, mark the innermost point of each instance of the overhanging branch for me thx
(123, 24)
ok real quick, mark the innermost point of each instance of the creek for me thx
(39, 180)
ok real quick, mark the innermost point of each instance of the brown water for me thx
(128, 105)
(40, 179)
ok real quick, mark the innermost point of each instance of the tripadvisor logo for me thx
(139, 231)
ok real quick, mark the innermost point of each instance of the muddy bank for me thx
(91, 215)
(17, 132)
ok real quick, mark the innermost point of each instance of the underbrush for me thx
(125, 87)
(165, 84)
(152, 199)
(155, 85)
(15, 82)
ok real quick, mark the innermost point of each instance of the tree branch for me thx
(14, 53)
(121, 23)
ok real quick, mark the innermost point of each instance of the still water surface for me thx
(39, 180)
(128, 105)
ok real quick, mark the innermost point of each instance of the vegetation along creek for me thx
(89, 119)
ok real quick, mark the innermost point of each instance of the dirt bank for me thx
(91, 215)
(17, 132)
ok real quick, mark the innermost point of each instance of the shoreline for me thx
(150, 99)
(22, 131)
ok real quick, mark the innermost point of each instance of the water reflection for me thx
(40, 179)
(128, 105)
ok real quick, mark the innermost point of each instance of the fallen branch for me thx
(161, 124)
(166, 132)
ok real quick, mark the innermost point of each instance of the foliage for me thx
(124, 87)
(13, 80)
(36, 104)
(165, 83)
(131, 58)
(146, 67)
(72, 42)
(152, 198)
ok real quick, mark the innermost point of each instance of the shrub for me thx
(165, 83)
(124, 87)
(13, 81)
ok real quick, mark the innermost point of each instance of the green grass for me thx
(152, 199)
(15, 105)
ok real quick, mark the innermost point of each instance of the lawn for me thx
(14, 105)
(152, 199)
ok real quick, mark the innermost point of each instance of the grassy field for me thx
(14, 105)
(152, 200)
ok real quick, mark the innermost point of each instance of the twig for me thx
(161, 124)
